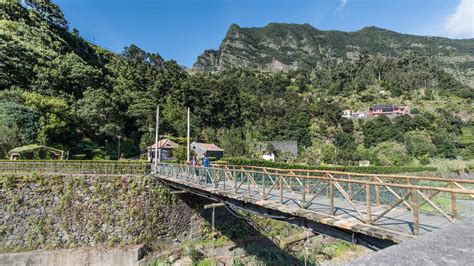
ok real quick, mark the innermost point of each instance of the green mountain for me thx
(283, 47)
(58, 90)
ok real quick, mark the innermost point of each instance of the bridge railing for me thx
(62, 167)
(369, 197)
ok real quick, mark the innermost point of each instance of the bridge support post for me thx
(281, 189)
(303, 190)
(414, 207)
(235, 181)
(331, 198)
(377, 192)
(350, 187)
(453, 205)
(368, 201)
(248, 186)
(263, 187)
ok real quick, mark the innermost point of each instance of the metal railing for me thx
(361, 192)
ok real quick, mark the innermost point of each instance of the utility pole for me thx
(188, 134)
(156, 137)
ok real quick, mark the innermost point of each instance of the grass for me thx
(208, 262)
(443, 203)
(452, 166)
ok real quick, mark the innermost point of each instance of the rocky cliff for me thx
(283, 47)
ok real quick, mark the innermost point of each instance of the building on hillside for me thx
(34, 151)
(279, 146)
(388, 110)
(166, 147)
(349, 114)
(212, 150)
(269, 156)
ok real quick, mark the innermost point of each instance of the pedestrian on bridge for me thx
(206, 164)
(194, 163)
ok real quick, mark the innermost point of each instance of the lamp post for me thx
(118, 148)
(149, 149)
(106, 146)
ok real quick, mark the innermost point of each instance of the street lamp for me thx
(106, 146)
(118, 148)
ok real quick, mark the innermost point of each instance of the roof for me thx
(165, 144)
(208, 146)
(31, 147)
(384, 107)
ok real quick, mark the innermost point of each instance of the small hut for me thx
(166, 147)
(35, 151)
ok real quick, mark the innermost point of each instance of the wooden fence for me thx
(362, 192)
(74, 167)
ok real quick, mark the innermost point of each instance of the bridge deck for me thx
(388, 220)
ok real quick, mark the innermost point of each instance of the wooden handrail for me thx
(408, 186)
(296, 187)
(428, 178)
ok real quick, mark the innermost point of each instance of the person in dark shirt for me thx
(206, 163)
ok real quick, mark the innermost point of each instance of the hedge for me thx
(79, 161)
(356, 169)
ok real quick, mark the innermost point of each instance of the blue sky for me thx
(183, 29)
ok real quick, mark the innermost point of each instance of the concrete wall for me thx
(128, 256)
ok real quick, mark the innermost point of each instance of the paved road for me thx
(452, 245)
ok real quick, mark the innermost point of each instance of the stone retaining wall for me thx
(50, 212)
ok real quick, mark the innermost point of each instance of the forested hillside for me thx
(59, 90)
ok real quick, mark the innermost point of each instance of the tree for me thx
(390, 153)
(17, 118)
(346, 145)
(231, 141)
(419, 143)
(328, 153)
(99, 114)
(9, 139)
(379, 130)
(49, 11)
(54, 118)
(444, 142)
(67, 73)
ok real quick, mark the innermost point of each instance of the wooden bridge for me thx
(371, 209)
(374, 210)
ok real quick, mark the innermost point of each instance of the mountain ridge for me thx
(290, 46)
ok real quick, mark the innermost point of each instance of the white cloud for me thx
(342, 5)
(461, 23)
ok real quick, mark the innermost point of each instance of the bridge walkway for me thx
(356, 205)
